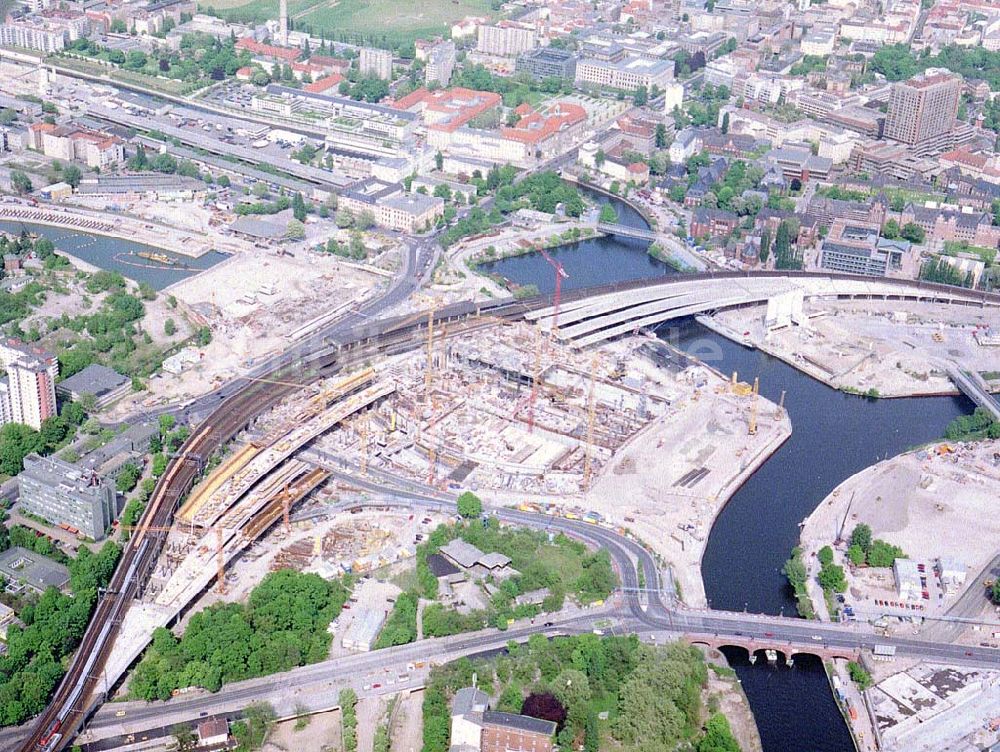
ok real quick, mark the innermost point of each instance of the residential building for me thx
(104, 384)
(506, 39)
(673, 97)
(922, 110)
(79, 144)
(509, 732)
(547, 62)
(440, 63)
(269, 52)
(34, 34)
(213, 733)
(375, 62)
(614, 166)
(476, 728)
(31, 392)
(715, 223)
(30, 387)
(60, 493)
(686, 144)
(466, 715)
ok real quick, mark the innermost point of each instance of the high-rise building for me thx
(32, 392)
(283, 22)
(440, 63)
(506, 40)
(29, 395)
(63, 494)
(922, 110)
(375, 62)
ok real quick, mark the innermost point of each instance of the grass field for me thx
(382, 22)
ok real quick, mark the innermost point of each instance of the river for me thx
(101, 251)
(834, 435)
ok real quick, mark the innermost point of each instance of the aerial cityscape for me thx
(500, 375)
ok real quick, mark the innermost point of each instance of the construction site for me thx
(896, 348)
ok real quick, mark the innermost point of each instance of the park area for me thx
(380, 22)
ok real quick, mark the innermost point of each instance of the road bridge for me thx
(594, 318)
(639, 233)
(972, 386)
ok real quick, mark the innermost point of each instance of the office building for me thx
(506, 39)
(618, 70)
(64, 495)
(922, 111)
(375, 62)
(547, 62)
(77, 144)
(390, 207)
(857, 248)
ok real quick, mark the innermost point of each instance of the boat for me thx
(160, 258)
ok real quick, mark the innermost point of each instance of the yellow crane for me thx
(752, 427)
(591, 422)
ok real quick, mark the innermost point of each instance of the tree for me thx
(16, 442)
(831, 578)
(859, 676)
(641, 96)
(469, 505)
(718, 736)
(661, 136)
(439, 161)
(599, 158)
(890, 229)
(295, 230)
(913, 232)
(883, 554)
(825, 555)
(572, 689)
(169, 327)
(861, 537)
(725, 123)
(72, 175)
(21, 183)
(765, 245)
(299, 210)
(856, 555)
(127, 478)
(608, 214)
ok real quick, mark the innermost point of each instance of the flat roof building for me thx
(26, 569)
(63, 494)
(922, 110)
(106, 384)
(547, 62)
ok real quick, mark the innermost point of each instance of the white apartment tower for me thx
(375, 62)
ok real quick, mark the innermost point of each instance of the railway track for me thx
(76, 695)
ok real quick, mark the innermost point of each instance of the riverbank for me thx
(934, 503)
(122, 228)
(877, 348)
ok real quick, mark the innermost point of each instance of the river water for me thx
(834, 436)
(114, 254)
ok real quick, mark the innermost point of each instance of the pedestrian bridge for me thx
(589, 319)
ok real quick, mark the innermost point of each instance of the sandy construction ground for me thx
(890, 346)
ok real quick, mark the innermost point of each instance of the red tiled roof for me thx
(538, 126)
(288, 54)
(459, 104)
(323, 84)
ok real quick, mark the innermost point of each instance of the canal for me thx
(834, 435)
(115, 254)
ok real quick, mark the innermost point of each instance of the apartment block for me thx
(30, 396)
(506, 40)
(375, 62)
(63, 494)
(440, 63)
(77, 144)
